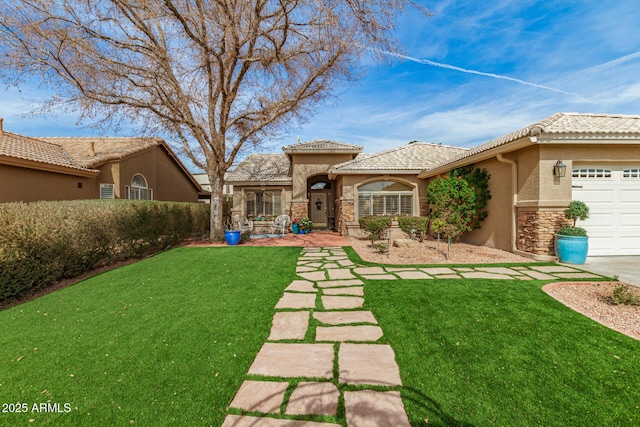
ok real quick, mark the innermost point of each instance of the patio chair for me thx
(280, 224)
(243, 223)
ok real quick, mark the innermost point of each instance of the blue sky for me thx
(472, 72)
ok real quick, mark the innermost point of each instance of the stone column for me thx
(537, 229)
(299, 208)
(345, 212)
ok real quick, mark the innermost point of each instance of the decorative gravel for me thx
(589, 299)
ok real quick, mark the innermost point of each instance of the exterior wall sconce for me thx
(560, 169)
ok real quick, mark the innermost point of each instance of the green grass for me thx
(482, 352)
(165, 341)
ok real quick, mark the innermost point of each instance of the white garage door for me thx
(612, 193)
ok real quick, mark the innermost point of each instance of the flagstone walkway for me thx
(322, 338)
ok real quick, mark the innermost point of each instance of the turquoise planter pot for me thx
(572, 249)
(232, 237)
(295, 228)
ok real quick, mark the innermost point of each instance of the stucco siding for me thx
(29, 185)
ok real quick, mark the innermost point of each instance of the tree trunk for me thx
(216, 225)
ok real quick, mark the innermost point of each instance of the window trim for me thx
(132, 190)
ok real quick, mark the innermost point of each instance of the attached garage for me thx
(612, 192)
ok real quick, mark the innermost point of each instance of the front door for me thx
(318, 209)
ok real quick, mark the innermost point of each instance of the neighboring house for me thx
(203, 180)
(602, 158)
(34, 169)
(335, 184)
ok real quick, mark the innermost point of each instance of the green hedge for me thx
(375, 225)
(43, 242)
(414, 226)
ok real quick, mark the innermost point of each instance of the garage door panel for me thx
(630, 221)
(614, 205)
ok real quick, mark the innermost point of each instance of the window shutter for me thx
(107, 191)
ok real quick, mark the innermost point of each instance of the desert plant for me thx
(623, 295)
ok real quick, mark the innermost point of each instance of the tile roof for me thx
(105, 148)
(561, 124)
(37, 150)
(322, 146)
(263, 168)
(411, 158)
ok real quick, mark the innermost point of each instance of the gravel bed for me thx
(586, 298)
(432, 252)
(590, 300)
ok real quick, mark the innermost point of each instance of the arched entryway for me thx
(321, 191)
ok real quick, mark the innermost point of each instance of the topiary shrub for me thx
(416, 227)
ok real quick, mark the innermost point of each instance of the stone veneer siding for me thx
(537, 229)
(299, 209)
(345, 212)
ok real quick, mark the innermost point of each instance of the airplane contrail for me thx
(480, 73)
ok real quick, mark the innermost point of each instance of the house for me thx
(601, 154)
(33, 169)
(335, 184)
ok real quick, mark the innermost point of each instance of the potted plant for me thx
(305, 225)
(295, 226)
(572, 243)
(231, 236)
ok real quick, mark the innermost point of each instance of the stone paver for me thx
(294, 360)
(554, 269)
(331, 302)
(464, 269)
(305, 269)
(330, 266)
(435, 271)
(301, 286)
(344, 317)
(369, 270)
(340, 273)
(499, 270)
(314, 398)
(537, 275)
(346, 263)
(447, 276)
(314, 276)
(289, 325)
(411, 275)
(260, 396)
(348, 333)
(577, 275)
(380, 277)
(337, 283)
(247, 421)
(293, 300)
(372, 364)
(394, 269)
(369, 408)
(484, 275)
(353, 290)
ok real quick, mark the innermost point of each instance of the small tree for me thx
(478, 180)
(452, 201)
(577, 210)
(415, 227)
(375, 226)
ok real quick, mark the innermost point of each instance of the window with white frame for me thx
(139, 189)
(385, 198)
(263, 203)
(631, 173)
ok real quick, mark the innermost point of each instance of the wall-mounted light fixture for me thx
(559, 169)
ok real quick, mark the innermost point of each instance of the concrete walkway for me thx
(322, 337)
(627, 268)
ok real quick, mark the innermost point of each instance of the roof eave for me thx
(49, 167)
(484, 155)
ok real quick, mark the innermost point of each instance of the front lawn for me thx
(482, 352)
(165, 341)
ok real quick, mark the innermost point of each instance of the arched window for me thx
(139, 189)
(321, 185)
(385, 198)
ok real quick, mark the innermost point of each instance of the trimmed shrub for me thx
(452, 201)
(375, 226)
(478, 180)
(415, 227)
(43, 242)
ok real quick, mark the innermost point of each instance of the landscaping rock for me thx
(406, 243)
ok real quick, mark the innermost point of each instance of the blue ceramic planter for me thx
(572, 249)
(232, 237)
(295, 228)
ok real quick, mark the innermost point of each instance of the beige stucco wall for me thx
(28, 185)
(306, 165)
